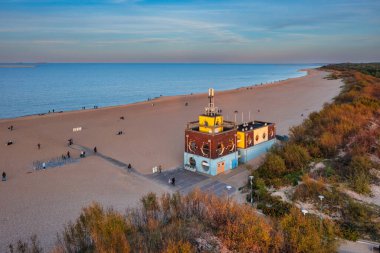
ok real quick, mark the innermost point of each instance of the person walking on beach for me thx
(159, 168)
(68, 154)
(70, 142)
(39, 146)
(4, 176)
(129, 167)
(95, 150)
(44, 166)
(173, 181)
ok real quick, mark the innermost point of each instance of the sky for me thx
(215, 31)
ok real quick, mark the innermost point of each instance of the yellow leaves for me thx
(247, 232)
(178, 247)
(301, 233)
(107, 229)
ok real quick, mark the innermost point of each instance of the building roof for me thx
(252, 125)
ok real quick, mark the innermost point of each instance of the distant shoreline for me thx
(16, 66)
(150, 100)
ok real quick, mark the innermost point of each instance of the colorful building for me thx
(213, 145)
(254, 138)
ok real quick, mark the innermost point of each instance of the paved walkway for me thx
(117, 163)
(185, 181)
(360, 246)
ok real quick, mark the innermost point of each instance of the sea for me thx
(28, 89)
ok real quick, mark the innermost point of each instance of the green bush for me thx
(274, 206)
(349, 232)
(359, 176)
(295, 156)
(274, 166)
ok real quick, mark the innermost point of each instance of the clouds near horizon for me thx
(189, 31)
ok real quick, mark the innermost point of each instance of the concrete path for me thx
(360, 246)
(185, 181)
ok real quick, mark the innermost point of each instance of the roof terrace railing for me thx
(226, 124)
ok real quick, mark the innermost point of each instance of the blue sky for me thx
(217, 31)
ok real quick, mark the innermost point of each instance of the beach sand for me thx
(40, 202)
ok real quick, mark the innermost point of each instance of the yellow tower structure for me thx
(211, 121)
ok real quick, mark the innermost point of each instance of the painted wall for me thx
(260, 135)
(245, 139)
(248, 154)
(207, 123)
(240, 139)
(219, 145)
(230, 162)
(271, 131)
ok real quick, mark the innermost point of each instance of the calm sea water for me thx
(65, 87)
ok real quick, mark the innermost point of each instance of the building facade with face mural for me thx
(213, 145)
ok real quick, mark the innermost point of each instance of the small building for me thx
(213, 145)
(210, 142)
(254, 138)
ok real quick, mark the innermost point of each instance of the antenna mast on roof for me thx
(211, 110)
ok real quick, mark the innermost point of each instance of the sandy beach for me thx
(40, 202)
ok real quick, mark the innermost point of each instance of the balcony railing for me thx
(227, 125)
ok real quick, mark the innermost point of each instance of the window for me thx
(192, 146)
(192, 162)
(220, 149)
(205, 165)
(205, 149)
(257, 137)
(264, 135)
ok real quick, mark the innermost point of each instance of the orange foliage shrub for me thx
(179, 247)
(247, 232)
(171, 224)
(307, 233)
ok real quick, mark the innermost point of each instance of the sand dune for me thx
(42, 201)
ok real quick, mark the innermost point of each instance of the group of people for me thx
(67, 156)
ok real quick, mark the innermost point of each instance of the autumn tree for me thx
(307, 233)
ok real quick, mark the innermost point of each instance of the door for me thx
(220, 168)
